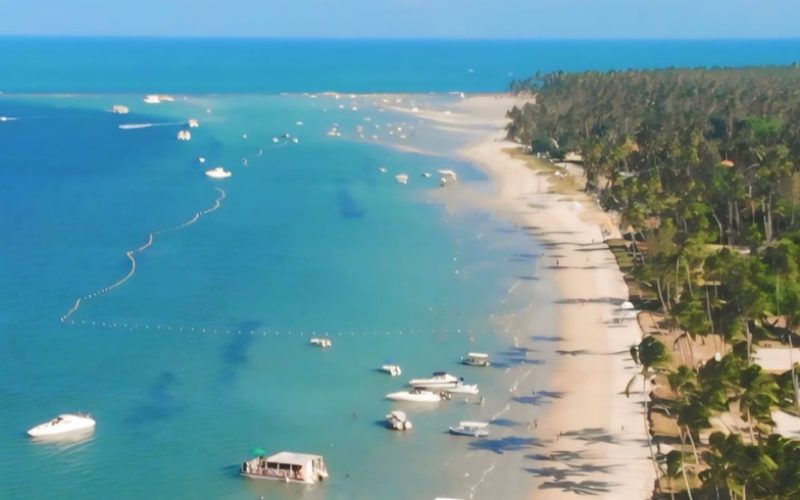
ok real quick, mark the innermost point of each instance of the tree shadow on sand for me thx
(505, 444)
(588, 487)
(538, 398)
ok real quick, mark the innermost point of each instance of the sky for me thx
(480, 19)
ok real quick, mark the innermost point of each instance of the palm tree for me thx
(649, 354)
(759, 395)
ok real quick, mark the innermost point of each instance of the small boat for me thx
(65, 423)
(472, 429)
(201, 159)
(462, 388)
(119, 109)
(320, 342)
(401, 178)
(426, 174)
(448, 174)
(218, 173)
(383, 170)
(152, 99)
(416, 396)
(287, 466)
(193, 123)
(398, 421)
(184, 135)
(393, 370)
(439, 380)
(476, 359)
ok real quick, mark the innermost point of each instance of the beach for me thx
(589, 438)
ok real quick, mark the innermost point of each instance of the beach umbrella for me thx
(626, 306)
(259, 452)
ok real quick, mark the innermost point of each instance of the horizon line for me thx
(399, 38)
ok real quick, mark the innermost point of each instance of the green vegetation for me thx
(703, 167)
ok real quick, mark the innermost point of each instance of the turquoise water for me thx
(200, 352)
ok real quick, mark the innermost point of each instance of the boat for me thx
(448, 174)
(287, 466)
(416, 396)
(439, 380)
(476, 359)
(119, 109)
(398, 421)
(184, 135)
(320, 342)
(66, 423)
(472, 429)
(393, 370)
(218, 173)
(401, 178)
(193, 123)
(152, 99)
(462, 388)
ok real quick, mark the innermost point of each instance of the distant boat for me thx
(476, 359)
(320, 342)
(402, 178)
(152, 99)
(461, 388)
(393, 370)
(287, 466)
(398, 421)
(184, 135)
(119, 109)
(416, 396)
(448, 174)
(193, 123)
(218, 173)
(439, 380)
(201, 159)
(66, 423)
(472, 429)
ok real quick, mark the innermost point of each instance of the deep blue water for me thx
(273, 66)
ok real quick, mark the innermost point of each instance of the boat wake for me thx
(134, 126)
(131, 254)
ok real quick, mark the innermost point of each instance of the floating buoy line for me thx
(131, 254)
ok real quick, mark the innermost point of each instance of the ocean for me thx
(198, 297)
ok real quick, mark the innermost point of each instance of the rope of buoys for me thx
(130, 254)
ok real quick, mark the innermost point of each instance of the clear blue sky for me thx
(406, 18)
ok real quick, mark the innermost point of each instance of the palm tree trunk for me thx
(647, 426)
(750, 427)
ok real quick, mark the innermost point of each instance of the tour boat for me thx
(472, 429)
(398, 421)
(416, 396)
(462, 388)
(393, 370)
(287, 466)
(66, 423)
(476, 359)
(320, 342)
(439, 380)
(218, 173)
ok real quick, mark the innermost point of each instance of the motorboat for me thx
(152, 99)
(119, 109)
(476, 359)
(66, 423)
(320, 342)
(416, 396)
(393, 370)
(398, 421)
(218, 173)
(201, 159)
(184, 135)
(472, 429)
(193, 123)
(461, 388)
(401, 178)
(439, 380)
(287, 466)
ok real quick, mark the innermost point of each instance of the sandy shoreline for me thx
(589, 439)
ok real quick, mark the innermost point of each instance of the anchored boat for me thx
(393, 370)
(398, 421)
(472, 429)
(439, 380)
(416, 396)
(67, 423)
(320, 342)
(287, 466)
(476, 359)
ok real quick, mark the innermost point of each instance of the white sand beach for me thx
(589, 439)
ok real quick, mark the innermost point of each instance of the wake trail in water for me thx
(131, 254)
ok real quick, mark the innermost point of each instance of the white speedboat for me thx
(415, 396)
(398, 421)
(476, 359)
(462, 388)
(401, 178)
(320, 342)
(472, 429)
(184, 135)
(119, 109)
(193, 123)
(439, 380)
(218, 173)
(393, 370)
(152, 99)
(66, 423)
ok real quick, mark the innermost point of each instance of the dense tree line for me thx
(703, 166)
